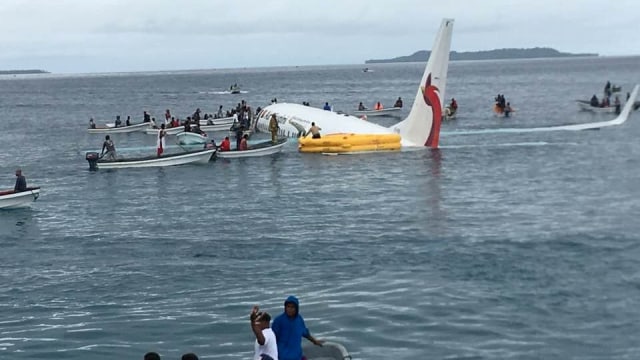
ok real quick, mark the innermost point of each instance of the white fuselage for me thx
(295, 120)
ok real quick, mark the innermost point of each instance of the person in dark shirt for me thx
(21, 182)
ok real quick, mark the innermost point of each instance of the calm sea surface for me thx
(495, 246)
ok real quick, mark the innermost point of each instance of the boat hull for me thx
(394, 111)
(261, 149)
(586, 106)
(328, 351)
(15, 200)
(220, 121)
(121, 129)
(190, 157)
(189, 138)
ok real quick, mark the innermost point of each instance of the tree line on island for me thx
(507, 53)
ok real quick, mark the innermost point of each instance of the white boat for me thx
(190, 157)
(449, 113)
(217, 127)
(586, 106)
(121, 129)
(394, 111)
(10, 199)
(168, 131)
(260, 149)
(328, 351)
(226, 121)
(191, 138)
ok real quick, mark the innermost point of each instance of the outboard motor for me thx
(92, 158)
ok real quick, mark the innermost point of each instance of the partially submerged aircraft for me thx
(420, 128)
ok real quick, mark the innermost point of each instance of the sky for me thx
(84, 36)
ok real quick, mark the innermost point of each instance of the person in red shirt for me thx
(225, 145)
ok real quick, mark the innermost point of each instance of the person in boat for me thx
(225, 145)
(378, 106)
(361, 107)
(273, 128)
(453, 105)
(266, 346)
(314, 130)
(244, 144)
(162, 134)
(239, 131)
(92, 124)
(617, 104)
(607, 89)
(398, 103)
(507, 110)
(167, 117)
(146, 117)
(151, 356)
(21, 182)
(605, 102)
(220, 113)
(594, 101)
(289, 328)
(327, 107)
(118, 121)
(128, 122)
(196, 115)
(110, 147)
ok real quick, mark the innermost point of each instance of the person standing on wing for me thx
(273, 128)
(290, 328)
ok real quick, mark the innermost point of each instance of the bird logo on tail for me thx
(432, 99)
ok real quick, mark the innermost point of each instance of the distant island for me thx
(21, 72)
(511, 53)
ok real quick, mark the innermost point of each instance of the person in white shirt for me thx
(265, 347)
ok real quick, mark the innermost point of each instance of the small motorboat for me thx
(120, 129)
(328, 351)
(585, 105)
(201, 156)
(219, 121)
(393, 111)
(191, 138)
(259, 149)
(9, 199)
(449, 113)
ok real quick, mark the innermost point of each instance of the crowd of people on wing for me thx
(277, 340)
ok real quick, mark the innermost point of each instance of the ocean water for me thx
(495, 246)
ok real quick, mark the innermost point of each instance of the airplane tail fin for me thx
(422, 126)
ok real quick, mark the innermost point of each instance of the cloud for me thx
(178, 34)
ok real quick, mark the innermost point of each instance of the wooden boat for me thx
(328, 351)
(260, 149)
(393, 111)
(201, 156)
(121, 129)
(10, 199)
